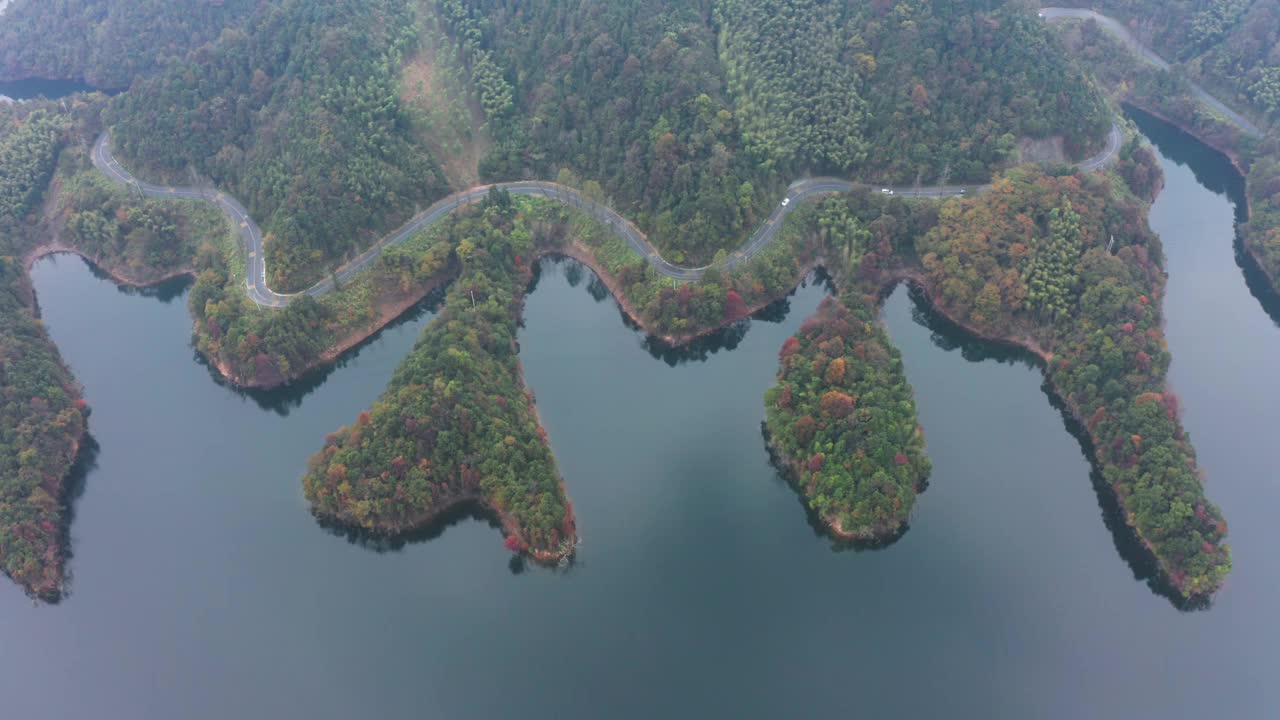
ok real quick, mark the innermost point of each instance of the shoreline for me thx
(1251, 251)
(425, 520)
(1246, 239)
(546, 557)
(868, 535)
(575, 251)
(1226, 152)
(387, 313)
(62, 547)
(387, 310)
(915, 279)
(1069, 409)
(62, 489)
(55, 247)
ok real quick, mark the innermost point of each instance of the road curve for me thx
(251, 236)
(1116, 28)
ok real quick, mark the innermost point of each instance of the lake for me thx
(31, 88)
(203, 588)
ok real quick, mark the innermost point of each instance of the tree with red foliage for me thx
(735, 307)
(804, 429)
(264, 370)
(684, 295)
(836, 404)
(789, 348)
(784, 397)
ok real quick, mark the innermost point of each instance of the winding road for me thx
(251, 236)
(1116, 28)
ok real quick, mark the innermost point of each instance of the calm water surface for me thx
(204, 589)
(38, 87)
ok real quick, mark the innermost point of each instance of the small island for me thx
(842, 421)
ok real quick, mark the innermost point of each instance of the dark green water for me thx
(203, 588)
(38, 87)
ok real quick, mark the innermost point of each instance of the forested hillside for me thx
(41, 412)
(1202, 35)
(626, 94)
(690, 115)
(299, 116)
(456, 423)
(134, 238)
(108, 43)
(797, 74)
(50, 196)
(1232, 46)
(907, 90)
(1029, 261)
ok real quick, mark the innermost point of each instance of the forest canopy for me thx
(842, 418)
(299, 118)
(108, 43)
(456, 423)
(1232, 46)
(689, 118)
(42, 415)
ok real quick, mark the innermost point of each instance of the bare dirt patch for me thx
(448, 118)
(1044, 150)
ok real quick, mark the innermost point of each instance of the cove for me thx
(31, 88)
(202, 588)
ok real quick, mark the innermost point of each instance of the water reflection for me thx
(701, 348)
(86, 462)
(1128, 545)
(1211, 168)
(597, 289)
(950, 337)
(283, 399)
(166, 291)
(784, 474)
(1217, 173)
(31, 88)
(382, 542)
(466, 510)
(1256, 280)
(573, 273)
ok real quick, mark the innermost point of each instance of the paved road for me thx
(251, 236)
(1115, 27)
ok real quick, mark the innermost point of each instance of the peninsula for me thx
(694, 128)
